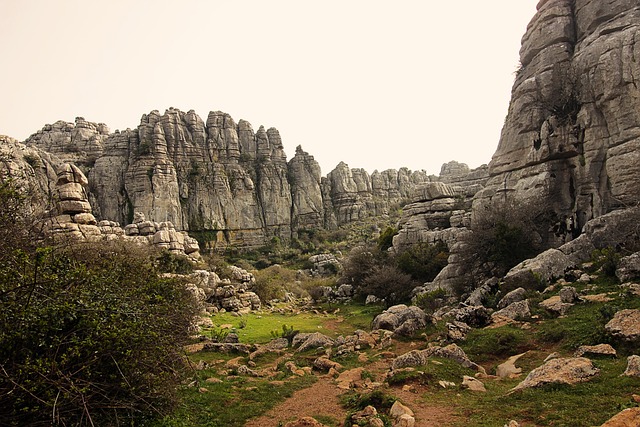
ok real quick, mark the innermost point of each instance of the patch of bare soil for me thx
(319, 399)
(322, 398)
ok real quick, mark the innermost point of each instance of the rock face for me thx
(572, 135)
(439, 210)
(72, 220)
(215, 177)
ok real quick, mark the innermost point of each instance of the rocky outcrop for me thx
(353, 194)
(440, 210)
(216, 178)
(572, 133)
(72, 220)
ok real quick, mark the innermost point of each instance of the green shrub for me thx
(483, 344)
(167, 262)
(606, 260)
(502, 236)
(388, 283)
(423, 261)
(385, 241)
(431, 301)
(91, 336)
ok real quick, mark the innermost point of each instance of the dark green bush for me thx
(385, 241)
(423, 261)
(388, 283)
(89, 335)
(502, 236)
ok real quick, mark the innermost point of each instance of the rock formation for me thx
(572, 134)
(440, 210)
(72, 219)
(217, 178)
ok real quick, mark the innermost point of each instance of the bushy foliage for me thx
(388, 283)
(385, 241)
(89, 335)
(392, 277)
(423, 261)
(431, 301)
(502, 237)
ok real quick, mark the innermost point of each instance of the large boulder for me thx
(421, 357)
(401, 319)
(515, 295)
(629, 268)
(516, 311)
(629, 417)
(625, 325)
(560, 371)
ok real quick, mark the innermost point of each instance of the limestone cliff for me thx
(216, 178)
(572, 134)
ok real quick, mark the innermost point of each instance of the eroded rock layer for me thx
(572, 135)
(219, 178)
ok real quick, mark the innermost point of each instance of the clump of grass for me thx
(488, 344)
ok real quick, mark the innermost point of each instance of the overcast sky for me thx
(377, 84)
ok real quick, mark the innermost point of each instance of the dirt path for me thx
(322, 399)
(319, 399)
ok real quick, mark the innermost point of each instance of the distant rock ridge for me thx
(219, 178)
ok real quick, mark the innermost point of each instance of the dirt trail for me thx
(319, 399)
(322, 398)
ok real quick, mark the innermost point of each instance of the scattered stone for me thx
(633, 366)
(597, 350)
(516, 295)
(629, 417)
(371, 299)
(446, 384)
(348, 379)
(473, 384)
(625, 325)
(457, 331)
(474, 316)
(305, 422)
(508, 369)
(559, 371)
(398, 409)
(368, 417)
(512, 423)
(628, 268)
(213, 380)
(568, 295)
(421, 357)
(311, 341)
(479, 295)
(632, 288)
(596, 298)
(323, 363)
(247, 371)
(515, 311)
(401, 319)
(556, 306)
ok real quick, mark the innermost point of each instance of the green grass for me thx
(258, 327)
(587, 404)
(230, 403)
(484, 345)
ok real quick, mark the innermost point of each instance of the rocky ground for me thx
(509, 371)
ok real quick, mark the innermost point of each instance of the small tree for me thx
(501, 237)
(388, 283)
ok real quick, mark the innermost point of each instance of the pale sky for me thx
(376, 84)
